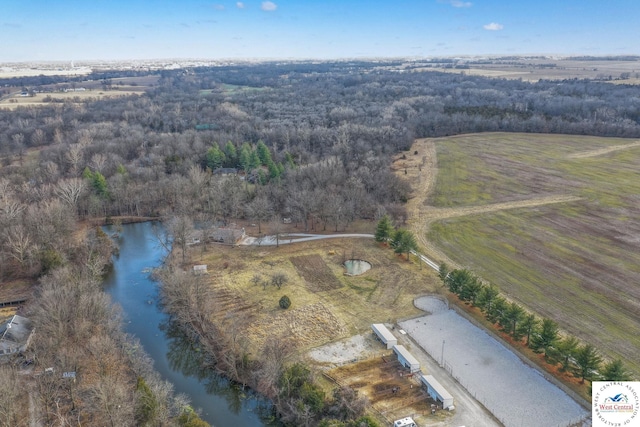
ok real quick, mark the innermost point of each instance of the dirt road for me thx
(421, 170)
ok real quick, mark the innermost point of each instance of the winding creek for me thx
(174, 357)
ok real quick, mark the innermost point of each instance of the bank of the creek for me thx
(175, 358)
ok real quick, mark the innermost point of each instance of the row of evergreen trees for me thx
(248, 159)
(542, 335)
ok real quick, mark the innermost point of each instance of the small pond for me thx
(356, 267)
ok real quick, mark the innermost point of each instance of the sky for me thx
(68, 30)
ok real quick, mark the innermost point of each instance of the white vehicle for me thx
(405, 422)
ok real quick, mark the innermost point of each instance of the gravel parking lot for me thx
(518, 395)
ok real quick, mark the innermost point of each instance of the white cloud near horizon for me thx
(493, 27)
(268, 6)
(240, 5)
(457, 3)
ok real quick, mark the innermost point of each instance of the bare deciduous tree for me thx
(279, 279)
(12, 397)
(70, 190)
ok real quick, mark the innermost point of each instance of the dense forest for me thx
(309, 141)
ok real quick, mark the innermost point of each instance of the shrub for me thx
(285, 302)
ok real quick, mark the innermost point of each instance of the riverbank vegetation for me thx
(251, 144)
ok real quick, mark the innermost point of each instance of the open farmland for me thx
(326, 304)
(613, 70)
(552, 220)
(53, 98)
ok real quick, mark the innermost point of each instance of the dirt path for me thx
(602, 151)
(420, 166)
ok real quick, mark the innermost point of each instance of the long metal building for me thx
(406, 359)
(437, 391)
(384, 335)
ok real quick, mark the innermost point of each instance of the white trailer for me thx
(384, 335)
(405, 422)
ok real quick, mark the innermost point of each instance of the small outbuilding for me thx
(384, 335)
(437, 391)
(15, 335)
(200, 269)
(406, 359)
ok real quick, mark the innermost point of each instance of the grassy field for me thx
(534, 69)
(52, 98)
(576, 261)
(326, 304)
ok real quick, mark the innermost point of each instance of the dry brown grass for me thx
(318, 315)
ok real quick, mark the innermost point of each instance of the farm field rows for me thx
(576, 260)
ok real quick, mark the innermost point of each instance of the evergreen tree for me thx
(443, 271)
(546, 338)
(98, 182)
(231, 155)
(565, 350)
(215, 158)
(486, 298)
(404, 242)
(511, 318)
(263, 153)
(244, 158)
(289, 160)
(528, 324)
(457, 279)
(274, 172)
(384, 229)
(498, 307)
(470, 289)
(615, 371)
(587, 363)
(254, 161)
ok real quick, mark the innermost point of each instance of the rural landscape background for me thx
(529, 184)
(183, 187)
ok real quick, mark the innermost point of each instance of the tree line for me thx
(582, 360)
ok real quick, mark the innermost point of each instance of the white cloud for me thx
(460, 3)
(493, 27)
(268, 6)
(240, 5)
(218, 7)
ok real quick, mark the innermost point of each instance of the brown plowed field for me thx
(315, 272)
